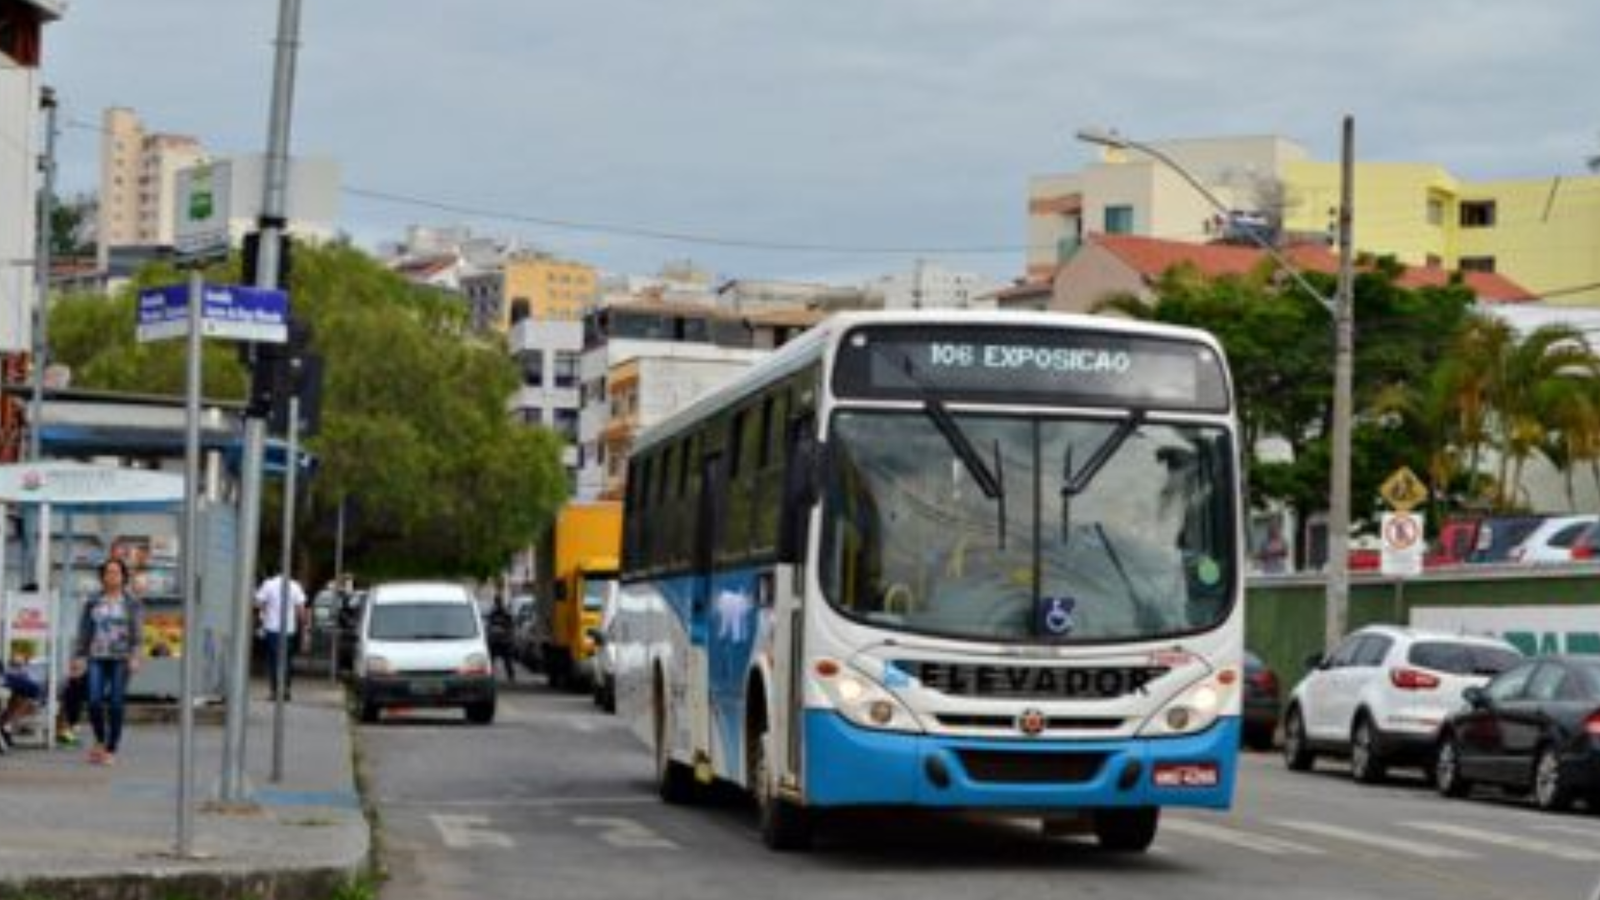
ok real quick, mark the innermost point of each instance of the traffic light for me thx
(304, 380)
(250, 257)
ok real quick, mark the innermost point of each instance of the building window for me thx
(1477, 214)
(1119, 220)
(566, 423)
(566, 368)
(1477, 264)
(1435, 211)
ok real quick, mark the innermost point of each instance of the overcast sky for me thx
(873, 125)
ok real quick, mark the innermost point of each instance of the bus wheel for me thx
(1126, 830)
(674, 780)
(784, 826)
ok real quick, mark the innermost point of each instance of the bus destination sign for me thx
(1022, 365)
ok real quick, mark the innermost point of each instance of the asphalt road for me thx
(554, 800)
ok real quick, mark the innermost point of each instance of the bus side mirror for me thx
(801, 480)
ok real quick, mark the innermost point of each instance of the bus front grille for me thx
(1007, 767)
(1009, 723)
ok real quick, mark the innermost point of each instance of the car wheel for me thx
(1366, 765)
(784, 826)
(1127, 830)
(674, 780)
(1550, 790)
(1447, 775)
(1297, 753)
(481, 713)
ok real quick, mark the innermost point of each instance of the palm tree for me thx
(1469, 375)
(1535, 375)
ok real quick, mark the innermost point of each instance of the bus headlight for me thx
(1195, 709)
(863, 701)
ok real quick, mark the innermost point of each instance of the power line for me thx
(684, 237)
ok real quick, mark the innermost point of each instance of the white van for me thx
(423, 644)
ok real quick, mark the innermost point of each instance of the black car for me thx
(1261, 703)
(1535, 727)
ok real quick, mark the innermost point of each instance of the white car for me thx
(1552, 540)
(423, 644)
(1381, 695)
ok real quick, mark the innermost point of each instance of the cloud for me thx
(907, 123)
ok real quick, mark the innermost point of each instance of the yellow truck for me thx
(578, 574)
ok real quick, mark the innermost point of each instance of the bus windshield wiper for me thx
(957, 438)
(1075, 483)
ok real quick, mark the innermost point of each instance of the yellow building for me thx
(1542, 233)
(544, 288)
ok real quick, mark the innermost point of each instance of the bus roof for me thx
(816, 341)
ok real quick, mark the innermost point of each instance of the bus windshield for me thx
(597, 587)
(1103, 529)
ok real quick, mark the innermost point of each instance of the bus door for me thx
(711, 510)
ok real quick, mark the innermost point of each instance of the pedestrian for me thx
(74, 694)
(23, 689)
(110, 635)
(501, 628)
(281, 629)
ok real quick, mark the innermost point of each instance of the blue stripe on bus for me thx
(850, 766)
(728, 629)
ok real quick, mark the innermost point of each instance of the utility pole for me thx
(1338, 584)
(273, 207)
(41, 262)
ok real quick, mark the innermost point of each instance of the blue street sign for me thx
(231, 312)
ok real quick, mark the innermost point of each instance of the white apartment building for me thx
(138, 182)
(21, 37)
(931, 286)
(548, 353)
(643, 383)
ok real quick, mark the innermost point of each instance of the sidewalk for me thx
(72, 830)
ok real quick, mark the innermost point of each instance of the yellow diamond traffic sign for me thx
(1403, 489)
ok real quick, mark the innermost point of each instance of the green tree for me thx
(72, 221)
(416, 442)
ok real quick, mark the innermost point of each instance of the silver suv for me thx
(1381, 695)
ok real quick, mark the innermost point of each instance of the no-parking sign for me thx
(1403, 544)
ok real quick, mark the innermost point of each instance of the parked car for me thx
(1261, 703)
(1586, 548)
(1497, 536)
(423, 644)
(1382, 694)
(335, 619)
(1552, 541)
(1535, 727)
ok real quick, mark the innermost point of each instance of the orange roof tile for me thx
(1152, 257)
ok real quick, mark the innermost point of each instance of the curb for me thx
(280, 884)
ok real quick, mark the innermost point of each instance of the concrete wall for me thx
(1284, 615)
(19, 149)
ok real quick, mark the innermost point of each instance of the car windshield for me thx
(1589, 672)
(1081, 530)
(422, 622)
(596, 590)
(1462, 659)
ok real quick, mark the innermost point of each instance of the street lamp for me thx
(1338, 582)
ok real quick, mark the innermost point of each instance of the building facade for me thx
(543, 287)
(22, 24)
(931, 286)
(138, 182)
(1543, 234)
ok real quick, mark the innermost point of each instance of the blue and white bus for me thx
(964, 560)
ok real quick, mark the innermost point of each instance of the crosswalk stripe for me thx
(1260, 843)
(1380, 842)
(1516, 842)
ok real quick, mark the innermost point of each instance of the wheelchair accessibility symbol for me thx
(1056, 615)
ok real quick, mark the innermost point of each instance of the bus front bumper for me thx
(851, 766)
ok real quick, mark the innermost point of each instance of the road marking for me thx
(1381, 842)
(466, 832)
(1516, 842)
(1260, 843)
(625, 833)
(535, 802)
(1590, 833)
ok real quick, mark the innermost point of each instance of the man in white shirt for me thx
(279, 629)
